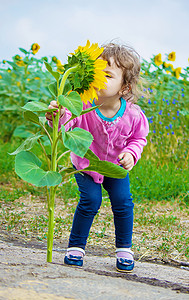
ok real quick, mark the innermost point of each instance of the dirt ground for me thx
(160, 233)
(24, 274)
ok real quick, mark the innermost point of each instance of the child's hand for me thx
(126, 160)
(52, 105)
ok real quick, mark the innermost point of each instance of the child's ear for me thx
(125, 90)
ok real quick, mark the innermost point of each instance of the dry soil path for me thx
(24, 274)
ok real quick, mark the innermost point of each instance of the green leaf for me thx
(77, 140)
(27, 166)
(27, 144)
(22, 131)
(23, 50)
(12, 64)
(31, 98)
(42, 120)
(105, 168)
(56, 75)
(72, 102)
(91, 156)
(89, 109)
(67, 87)
(68, 170)
(37, 107)
(30, 116)
(53, 88)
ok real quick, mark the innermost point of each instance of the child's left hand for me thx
(126, 160)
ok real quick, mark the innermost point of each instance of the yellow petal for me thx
(100, 63)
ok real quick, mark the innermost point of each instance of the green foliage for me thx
(56, 75)
(105, 168)
(36, 107)
(22, 80)
(72, 102)
(164, 182)
(27, 144)
(77, 140)
(27, 166)
(166, 104)
(26, 83)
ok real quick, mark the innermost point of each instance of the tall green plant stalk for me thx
(54, 151)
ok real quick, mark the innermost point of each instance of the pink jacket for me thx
(128, 134)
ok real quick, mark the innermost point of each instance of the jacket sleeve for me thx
(138, 140)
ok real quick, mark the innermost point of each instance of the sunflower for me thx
(20, 63)
(177, 72)
(60, 67)
(158, 59)
(89, 75)
(172, 56)
(166, 66)
(35, 48)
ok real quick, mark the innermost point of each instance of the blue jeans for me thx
(89, 204)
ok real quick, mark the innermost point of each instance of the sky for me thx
(60, 26)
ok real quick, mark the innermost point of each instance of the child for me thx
(119, 129)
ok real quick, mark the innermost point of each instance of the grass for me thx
(153, 182)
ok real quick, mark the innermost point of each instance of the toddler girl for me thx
(119, 129)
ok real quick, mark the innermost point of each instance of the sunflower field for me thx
(162, 173)
(25, 79)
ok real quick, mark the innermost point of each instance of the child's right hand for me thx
(52, 105)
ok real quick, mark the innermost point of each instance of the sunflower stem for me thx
(54, 168)
(51, 224)
(51, 200)
(65, 76)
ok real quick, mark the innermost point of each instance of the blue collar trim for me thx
(118, 114)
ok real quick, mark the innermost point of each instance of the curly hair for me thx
(128, 60)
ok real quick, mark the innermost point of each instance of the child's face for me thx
(114, 84)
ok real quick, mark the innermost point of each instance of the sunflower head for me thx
(35, 48)
(60, 67)
(172, 56)
(20, 63)
(89, 75)
(177, 72)
(158, 60)
(168, 66)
